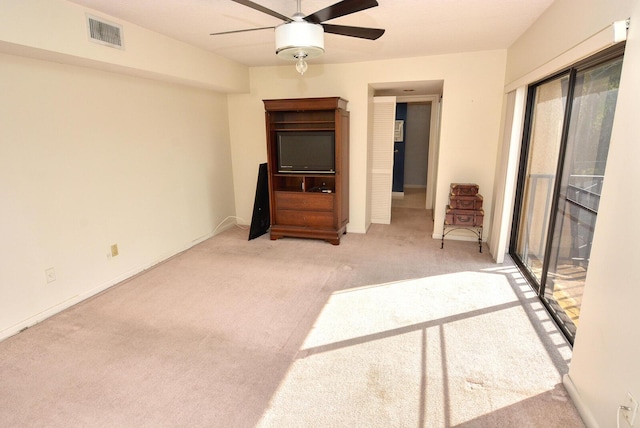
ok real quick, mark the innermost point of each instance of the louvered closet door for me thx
(384, 114)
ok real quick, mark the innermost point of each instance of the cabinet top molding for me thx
(301, 104)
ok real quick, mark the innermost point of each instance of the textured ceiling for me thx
(413, 27)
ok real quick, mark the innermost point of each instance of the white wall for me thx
(91, 158)
(607, 347)
(55, 30)
(473, 85)
(565, 24)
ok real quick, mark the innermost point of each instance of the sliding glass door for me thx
(542, 164)
(568, 130)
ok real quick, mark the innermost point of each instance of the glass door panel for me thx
(542, 162)
(562, 168)
(593, 106)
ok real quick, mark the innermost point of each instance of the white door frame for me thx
(434, 141)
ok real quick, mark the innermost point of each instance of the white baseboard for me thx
(38, 318)
(581, 406)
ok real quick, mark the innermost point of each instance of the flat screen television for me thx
(306, 151)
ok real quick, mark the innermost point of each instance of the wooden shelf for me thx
(304, 183)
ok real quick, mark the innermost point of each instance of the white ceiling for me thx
(413, 27)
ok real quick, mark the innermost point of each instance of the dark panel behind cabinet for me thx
(260, 221)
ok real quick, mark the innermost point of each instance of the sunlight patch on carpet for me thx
(399, 352)
(376, 309)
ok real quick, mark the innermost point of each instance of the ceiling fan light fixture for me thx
(299, 41)
(301, 65)
(302, 36)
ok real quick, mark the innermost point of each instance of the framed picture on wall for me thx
(399, 131)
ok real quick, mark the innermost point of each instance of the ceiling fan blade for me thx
(361, 32)
(345, 7)
(241, 31)
(263, 9)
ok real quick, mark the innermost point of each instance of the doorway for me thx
(411, 154)
(426, 96)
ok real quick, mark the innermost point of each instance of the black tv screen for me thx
(306, 151)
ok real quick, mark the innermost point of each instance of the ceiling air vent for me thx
(105, 33)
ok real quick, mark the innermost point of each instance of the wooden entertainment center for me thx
(314, 203)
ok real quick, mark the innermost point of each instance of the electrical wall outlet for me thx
(50, 274)
(632, 404)
(114, 250)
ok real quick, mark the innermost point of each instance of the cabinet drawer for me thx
(304, 201)
(317, 219)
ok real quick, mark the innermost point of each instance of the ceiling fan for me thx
(301, 37)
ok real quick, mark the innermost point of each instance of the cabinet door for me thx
(312, 219)
(384, 112)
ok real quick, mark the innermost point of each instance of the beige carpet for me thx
(411, 198)
(384, 330)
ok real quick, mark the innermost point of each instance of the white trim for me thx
(415, 98)
(434, 150)
(581, 406)
(603, 39)
(507, 174)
